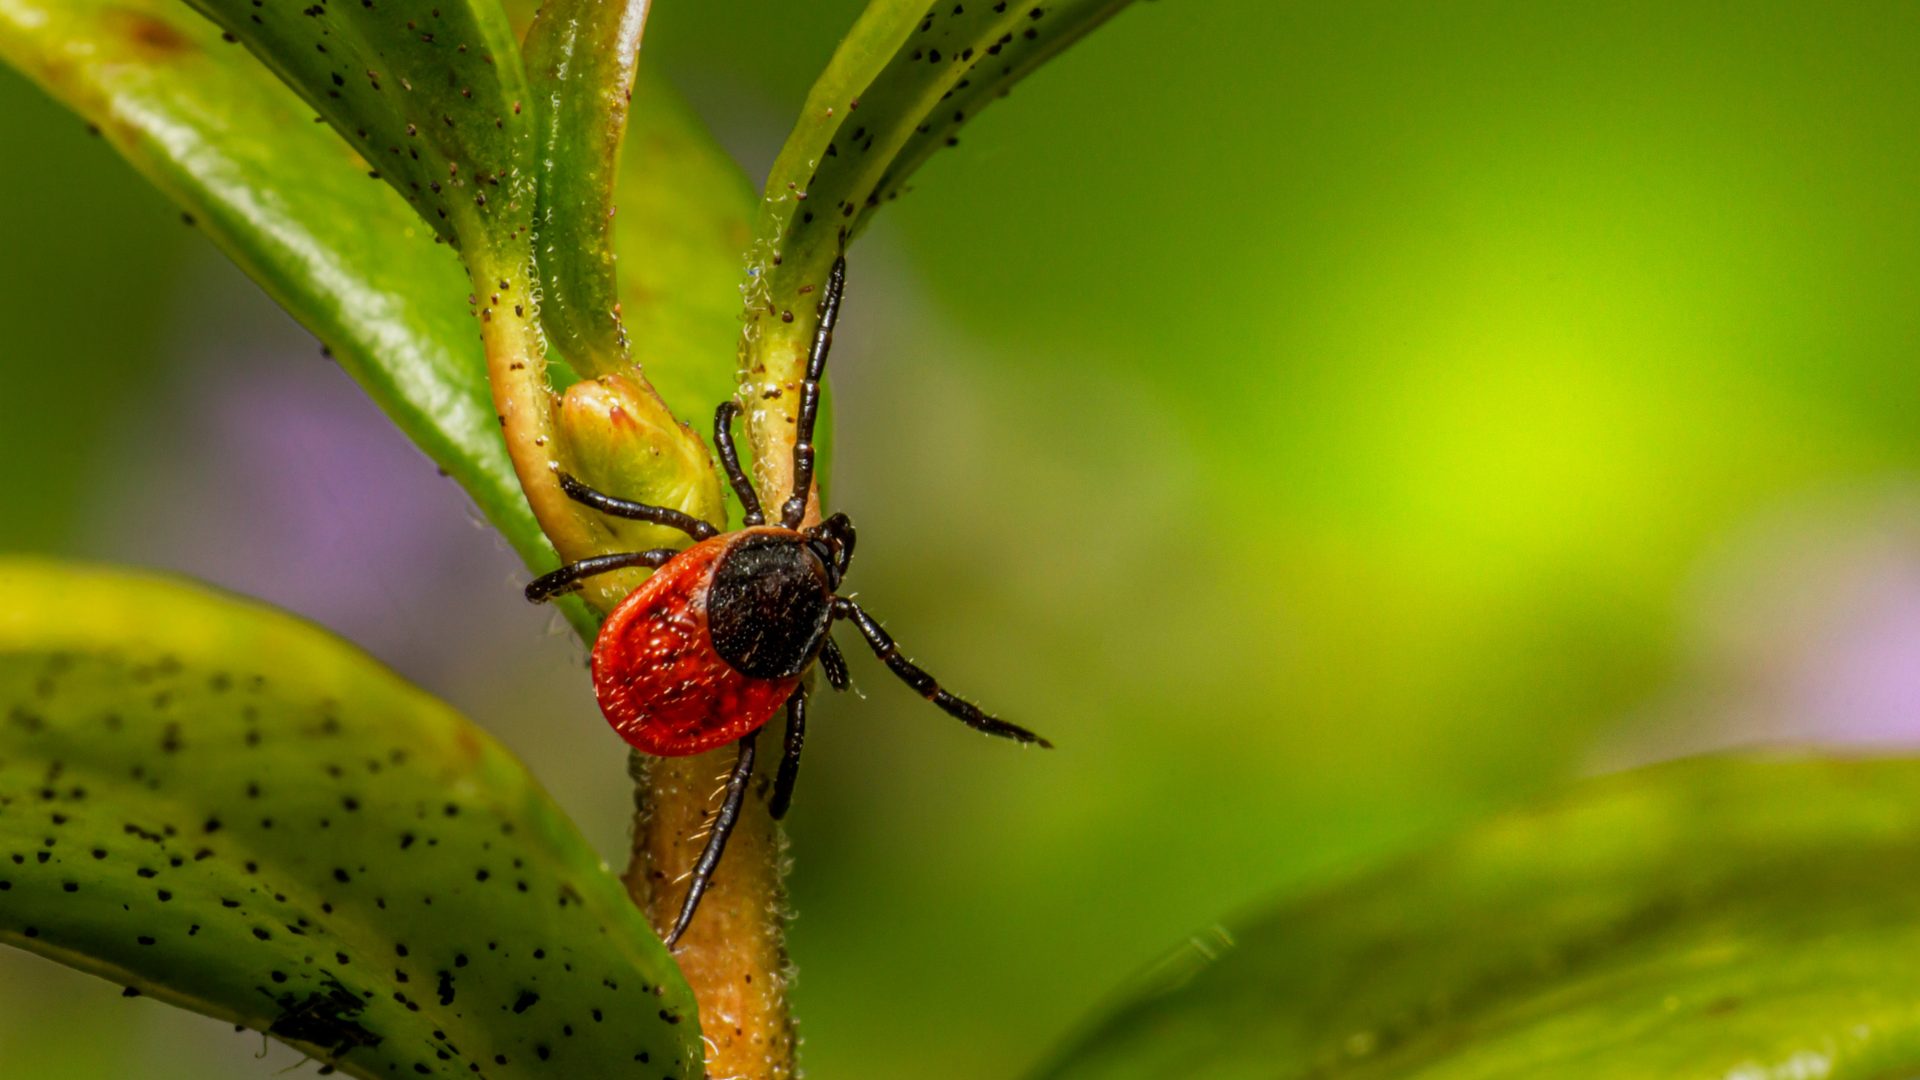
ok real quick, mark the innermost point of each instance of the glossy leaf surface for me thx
(292, 205)
(1716, 917)
(682, 230)
(231, 810)
(681, 225)
(623, 167)
(581, 58)
(907, 76)
(430, 92)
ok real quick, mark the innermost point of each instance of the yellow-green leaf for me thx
(681, 231)
(1742, 918)
(907, 76)
(581, 58)
(430, 92)
(227, 808)
(292, 205)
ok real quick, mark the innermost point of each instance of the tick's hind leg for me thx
(636, 511)
(794, 510)
(716, 838)
(924, 684)
(834, 665)
(567, 578)
(790, 760)
(750, 513)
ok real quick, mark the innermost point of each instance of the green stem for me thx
(734, 955)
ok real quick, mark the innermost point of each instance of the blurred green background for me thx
(1327, 424)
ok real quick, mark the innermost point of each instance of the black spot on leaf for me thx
(324, 1018)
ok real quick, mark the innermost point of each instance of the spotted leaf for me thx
(901, 84)
(430, 92)
(292, 205)
(1719, 917)
(228, 809)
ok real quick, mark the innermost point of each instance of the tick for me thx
(722, 635)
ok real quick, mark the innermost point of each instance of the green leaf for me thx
(581, 58)
(904, 80)
(682, 231)
(229, 809)
(683, 222)
(430, 92)
(682, 210)
(291, 204)
(1717, 917)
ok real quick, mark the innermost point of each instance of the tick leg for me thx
(795, 508)
(834, 665)
(928, 687)
(790, 760)
(567, 578)
(717, 838)
(634, 511)
(750, 512)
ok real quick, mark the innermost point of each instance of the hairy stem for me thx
(777, 364)
(734, 955)
(517, 371)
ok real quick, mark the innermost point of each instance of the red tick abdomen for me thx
(660, 682)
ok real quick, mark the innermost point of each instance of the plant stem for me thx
(734, 954)
(517, 373)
